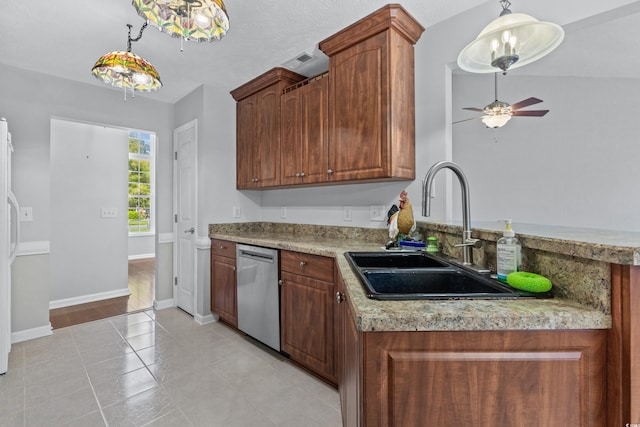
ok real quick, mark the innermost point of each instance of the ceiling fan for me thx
(498, 113)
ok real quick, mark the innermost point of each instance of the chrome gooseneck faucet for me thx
(467, 241)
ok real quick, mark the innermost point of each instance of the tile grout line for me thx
(86, 372)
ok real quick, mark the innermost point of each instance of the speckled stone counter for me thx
(441, 315)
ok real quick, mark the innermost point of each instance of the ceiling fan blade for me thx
(525, 103)
(531, 113)
(480, 110)
(466, 120)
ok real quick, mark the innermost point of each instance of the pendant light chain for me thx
(129, 39)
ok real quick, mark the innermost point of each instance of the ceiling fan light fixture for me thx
(496, 120)
(198, 20)
(510, 41)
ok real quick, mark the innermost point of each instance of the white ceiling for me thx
(73, 34)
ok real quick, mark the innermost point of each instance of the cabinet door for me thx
(315, 129)
(267, 137)
(307, 323)
(291, 133)
(305, 133)
(223, 289)
(246, 147)
(358, 146)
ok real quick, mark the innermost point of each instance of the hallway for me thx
(141, 287)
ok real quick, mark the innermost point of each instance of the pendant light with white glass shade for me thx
(510, 41)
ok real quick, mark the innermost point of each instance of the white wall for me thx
(576, 166)
(88, 173)
(29, 100)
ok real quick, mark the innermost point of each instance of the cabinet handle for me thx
(302, 263)
(339, 297)
(329, 171)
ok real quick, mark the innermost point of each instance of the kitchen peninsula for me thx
(444, 362)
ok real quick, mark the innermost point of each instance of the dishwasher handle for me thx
(256, 256)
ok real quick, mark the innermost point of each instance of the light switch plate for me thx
(237, 212)
(346, 213)
(109, 212)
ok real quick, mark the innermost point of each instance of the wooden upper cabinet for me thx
(258, 128)
(372, 97)
(304, 109)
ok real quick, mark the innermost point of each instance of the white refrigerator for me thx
(9, 238)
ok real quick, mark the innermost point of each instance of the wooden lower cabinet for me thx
(307, 310)
(223, 281)
(485, 378)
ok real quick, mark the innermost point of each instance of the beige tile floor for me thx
(158, 368)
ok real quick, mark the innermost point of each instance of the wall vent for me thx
(299, 60)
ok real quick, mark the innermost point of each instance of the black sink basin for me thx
(394, 260)
(408, 276)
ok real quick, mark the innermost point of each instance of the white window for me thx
(141, 182)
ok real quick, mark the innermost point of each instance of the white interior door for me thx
(186, 143)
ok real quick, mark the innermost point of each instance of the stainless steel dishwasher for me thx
(258, 294)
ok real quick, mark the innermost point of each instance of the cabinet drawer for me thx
(223, 248)
(315, 266)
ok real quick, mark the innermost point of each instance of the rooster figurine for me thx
(401, 222)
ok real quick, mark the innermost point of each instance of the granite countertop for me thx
(425, 315)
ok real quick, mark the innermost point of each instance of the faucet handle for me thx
(476, 243)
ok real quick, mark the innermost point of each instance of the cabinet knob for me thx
(302, 263)
(302, 174)
(329, 171)
(221, 247)
(234, 268)
(280, 282)
(339, 297)
(298, 174)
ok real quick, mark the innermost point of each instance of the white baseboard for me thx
(206, 319)
(142, 256)
(162, 304)
(88, 298)
(31, 334)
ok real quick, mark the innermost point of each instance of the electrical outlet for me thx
(109, 212)
(237, 212)
(283, 212)
(346, 213)
(377, 213)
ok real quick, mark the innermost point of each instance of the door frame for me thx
(176, 274)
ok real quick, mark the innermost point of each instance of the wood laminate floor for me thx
(141, 287)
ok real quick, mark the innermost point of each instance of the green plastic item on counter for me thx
(530, 282)
(432, 244)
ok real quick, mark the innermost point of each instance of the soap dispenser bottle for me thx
(508, 251)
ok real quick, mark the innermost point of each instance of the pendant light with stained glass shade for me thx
(197, 20)
(127, 70)
(510, 41)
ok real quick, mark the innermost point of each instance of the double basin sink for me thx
(419, 275)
